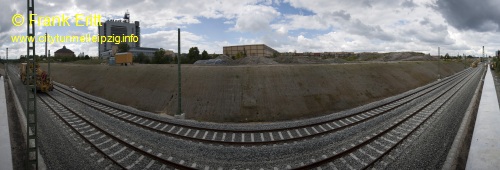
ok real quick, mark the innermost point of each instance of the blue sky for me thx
(285, 25)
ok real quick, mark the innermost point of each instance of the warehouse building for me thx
(118, 28)
(260, 50)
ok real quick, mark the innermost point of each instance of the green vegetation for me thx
(184, 60)
(275, 54)
(447, 56)
(204, 55)
(352, 58)
(161, 58)
(141, 58)
(193, 55)
(123, 47)
(239, 55)
(496, 61)
(43, 59)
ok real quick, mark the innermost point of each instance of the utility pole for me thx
(439, 58)
(46, 44)
(48, 58)
(461, 57)
(179, 113)
(7, 63)
(465, 61)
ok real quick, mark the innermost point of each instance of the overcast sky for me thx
(457, 26)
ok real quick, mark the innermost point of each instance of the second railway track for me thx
(361, 151)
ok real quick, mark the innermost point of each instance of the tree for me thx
(160, 57)
(22, 58)
(204, 55)
(275, 54)
(184, 59)
(87, 57)
(447, 56)
(193, 55)
(141, 58)
(123, 47)
(239, 55)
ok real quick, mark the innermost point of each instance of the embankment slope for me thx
(250, 93)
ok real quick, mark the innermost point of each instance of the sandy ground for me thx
(250, 93)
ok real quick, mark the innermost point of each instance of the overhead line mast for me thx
(31, 113)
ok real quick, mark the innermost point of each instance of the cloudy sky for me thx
(457, 26)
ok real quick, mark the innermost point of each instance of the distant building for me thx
(149, 52)
(260, 50)
(81, 55)
(169, 53)
(118, 28)
(64, 52)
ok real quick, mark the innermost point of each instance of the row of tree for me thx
(194, 55)
(447, 56)
(160, 57)
(39, 58)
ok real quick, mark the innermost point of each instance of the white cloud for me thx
(355, 25)
(168, 40)
(282, 30)
(229, 22)
(255, 18)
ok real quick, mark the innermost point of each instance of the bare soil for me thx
(254, 93)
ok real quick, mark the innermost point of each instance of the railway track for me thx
(367, 150)
(370, 149)
(111, 150)
(256, 137)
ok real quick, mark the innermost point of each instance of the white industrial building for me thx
(118, 28)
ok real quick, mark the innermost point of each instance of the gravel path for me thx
(18, 143)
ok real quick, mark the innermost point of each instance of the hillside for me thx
(250, 93)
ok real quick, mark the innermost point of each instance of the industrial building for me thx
(64, 52)
(260, 50)
(149, 52)
(118, 28)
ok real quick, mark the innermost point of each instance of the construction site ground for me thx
(250, 93)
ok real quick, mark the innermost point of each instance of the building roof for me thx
(143, 49)
(64, 50)
(246, 45)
